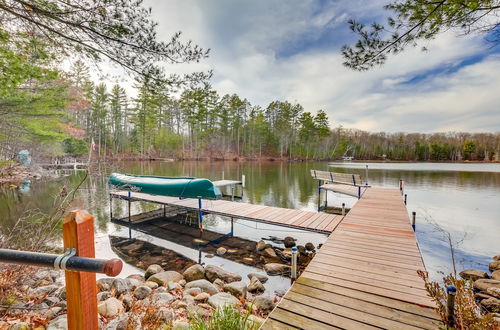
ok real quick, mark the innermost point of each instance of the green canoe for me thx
(167, 186)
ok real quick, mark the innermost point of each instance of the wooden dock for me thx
(306, 220)
(364, 276)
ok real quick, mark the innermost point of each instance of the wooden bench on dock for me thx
(344, 183)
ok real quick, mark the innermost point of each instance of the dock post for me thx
(129, 217)
(110, 207)
(232, 193)
(326, 199)
(401, 185)
(222, 174)
(293, 272)
(450, 313)
(405, 198)
(243, 182)
(81, 291)
(343, 209)
(319, 195)
(200, 216)
(232, 226)
(359, 192)
(413, 219)
(164, 210)
(366, 173)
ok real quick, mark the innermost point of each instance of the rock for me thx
(128, 301)
(261, 245)
(151, 285)
(160, 299)
(495, 292)
(101, 296)
(120, 286)
(223, 298)
(261, 277)
(193, 273)
(59, 323)
(110, 307)
(491, 304)
(302, 250)
(118, 323)
(237, 289)
(188, 300)
(265, 304)
(219, 284)
(165, 277)
(192, 292)
(221, 251)
(473, 274)
(163, 314)
(289, 242)
(152, 270)
(61, 292)
(161, 289)
(182, 282)
(138, 277)
(497, 257)
(494, 265)
(104, 284)
(287, 253)
(269, 252)
(203, 285)
(255, 285)
(202, 297)
(484, 284)
(254, 321)
(51, 312)
(309, 246)
(174, 286)
(496, 275)
(133, 283)
(214, 272)
(277, 269)
(142, 292)
(43, 290)
(51, 301)
(481, 296)
(20, 326)
(180, 325)
(197, 310)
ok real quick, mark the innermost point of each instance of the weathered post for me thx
(343, 209)
(359, 192)
(110, 207)
(243, 177)
(129, 217)
(81, 289)
(319, 194)
(406, 196)
(293, 272)
(413, 219)
(222, 174)
(200, 216)
(366, 174)
(450, 313)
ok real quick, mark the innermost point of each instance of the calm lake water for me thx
(463, 199)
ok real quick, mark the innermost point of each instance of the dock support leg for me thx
(326, 199)
(293, 271)
(129, 217)
(319, 195)
(343, 209)
(200, 217)
(164, 210)
(366, 174)
(405, 198)
(232, 193)
(413, 219)
(232, 227)
(359, 192)
(110, 207)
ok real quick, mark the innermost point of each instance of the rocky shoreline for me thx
(487, 286)
(154, 300)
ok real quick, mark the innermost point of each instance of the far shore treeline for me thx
(53, 114)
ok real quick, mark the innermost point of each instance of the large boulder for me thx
(118, 323)
(255, 285)
(269, 252)
(497, 257)
(161, 299)
(494, 265)
(237, 289)
(120, 286)
(223, 298)
(193, 273)
(213, 272)
(104, 284)
(202, 297)
(110, 307)
(142, 292)
(496, 275)
(262, 303)
(59, 323)
(473, 274)
(261, 245)
(221, 251)
(277, 269)
(491, 304)
(495, 292)
(309, 246)
(152, 269)
(261, 277)
(203, 285)
(164, 277)
(484, 284)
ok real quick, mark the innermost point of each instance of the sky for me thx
(266, 50)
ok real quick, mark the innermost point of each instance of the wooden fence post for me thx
(81, 289)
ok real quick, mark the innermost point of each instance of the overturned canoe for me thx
(186, 187)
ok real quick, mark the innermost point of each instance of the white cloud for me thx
(268, 50)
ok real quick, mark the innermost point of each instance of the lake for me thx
(462, 199)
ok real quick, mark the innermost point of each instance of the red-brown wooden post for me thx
(81, 290)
